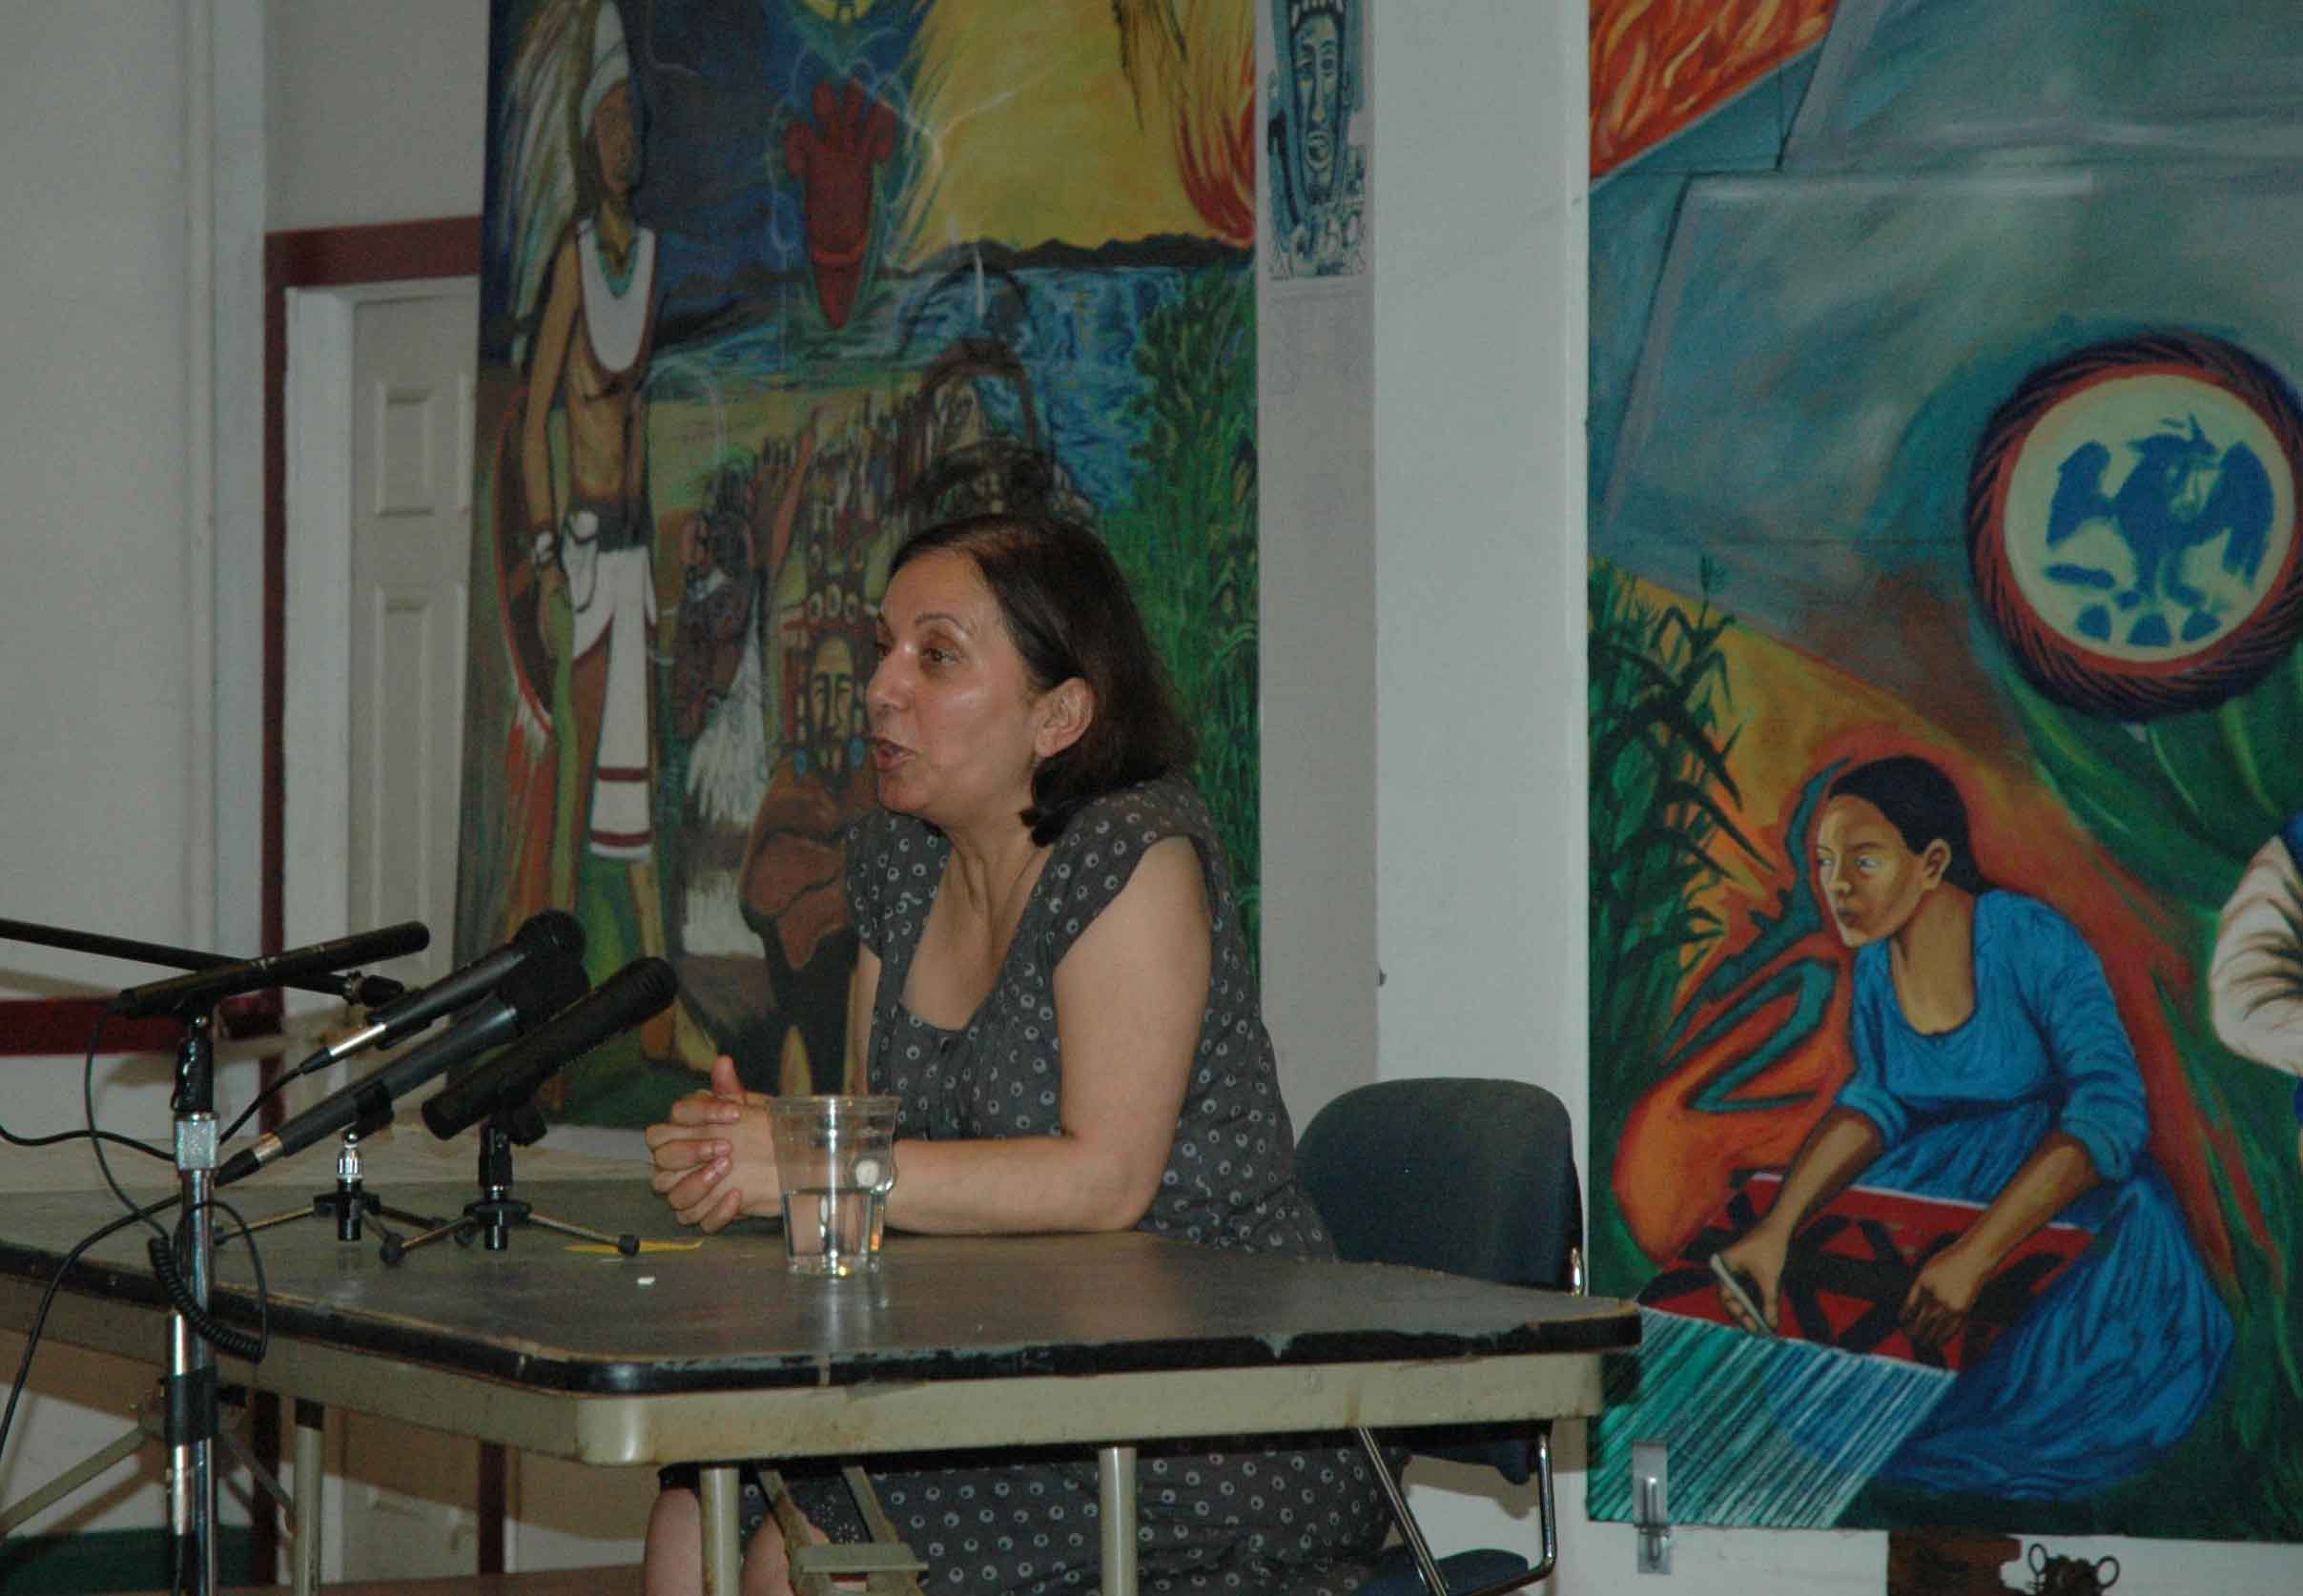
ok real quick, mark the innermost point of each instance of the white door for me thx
(412, 364)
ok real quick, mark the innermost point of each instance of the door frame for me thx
(348, 259)
(315, 719)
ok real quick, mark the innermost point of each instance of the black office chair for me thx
(1475, 1177)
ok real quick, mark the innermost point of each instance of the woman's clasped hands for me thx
(714, 1159)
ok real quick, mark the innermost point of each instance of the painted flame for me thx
(1660, 66)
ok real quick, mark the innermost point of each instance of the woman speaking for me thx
(1054, 981)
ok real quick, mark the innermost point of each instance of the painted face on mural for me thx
(1867, 876)
(1318, 100)
(616, 141)
(832, 718)
(954, 711)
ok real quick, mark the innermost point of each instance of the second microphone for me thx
(641, 989)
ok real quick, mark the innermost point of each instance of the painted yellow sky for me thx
(1036, 130)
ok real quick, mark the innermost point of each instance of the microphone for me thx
(640, 988)
(204, 987)
(554, 932)
(536, 988)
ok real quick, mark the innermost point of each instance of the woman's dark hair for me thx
(1921, 802)
(1069, 612)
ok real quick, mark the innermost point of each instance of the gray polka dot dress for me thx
(1242, 1519)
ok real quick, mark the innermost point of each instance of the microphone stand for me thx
(494, 1215)
(192, 1406)
(190, 1429)
(350, 1202)
(368, 991)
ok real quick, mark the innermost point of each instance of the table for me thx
(713, 1352)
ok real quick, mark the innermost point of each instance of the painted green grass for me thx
(1186, 539)
(1658, 705)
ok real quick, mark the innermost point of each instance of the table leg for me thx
(720, 1492)
(1116, 1481)
(311, 1432)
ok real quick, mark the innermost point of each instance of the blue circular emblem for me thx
(2131, 524)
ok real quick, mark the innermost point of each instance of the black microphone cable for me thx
(248, 1347)
(55, 1283)
(144, 1147)
(239, 1343)
(160, 1248)
(114, 1136)
(264, 1094)
(88, 1109)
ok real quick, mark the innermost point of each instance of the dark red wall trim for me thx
(60, 1027)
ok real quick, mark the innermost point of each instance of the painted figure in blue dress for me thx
(1991, 1067)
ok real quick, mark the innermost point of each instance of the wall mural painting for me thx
(1946, 919)
(767, 284)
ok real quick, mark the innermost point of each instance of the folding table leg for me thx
(310, 1433)
(719, 1491)
(1116, 1482)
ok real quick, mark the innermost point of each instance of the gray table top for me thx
(695, 1313)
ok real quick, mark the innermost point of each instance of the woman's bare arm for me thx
(863, 984)
(1130, 997)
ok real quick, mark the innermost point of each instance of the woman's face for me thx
(1867, 875)
(955, 717)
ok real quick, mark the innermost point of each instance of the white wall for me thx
(1315, 442)
(102, 726)
(97, 738)
(1479, 288)
(1478, 233)
(378, 112)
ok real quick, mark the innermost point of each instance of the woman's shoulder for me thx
(1140, 816)
(1108, 836)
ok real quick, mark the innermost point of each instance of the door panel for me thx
(411, 544)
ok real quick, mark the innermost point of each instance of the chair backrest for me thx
(1472, 1177)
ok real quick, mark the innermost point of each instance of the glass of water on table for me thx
(836, 1158)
